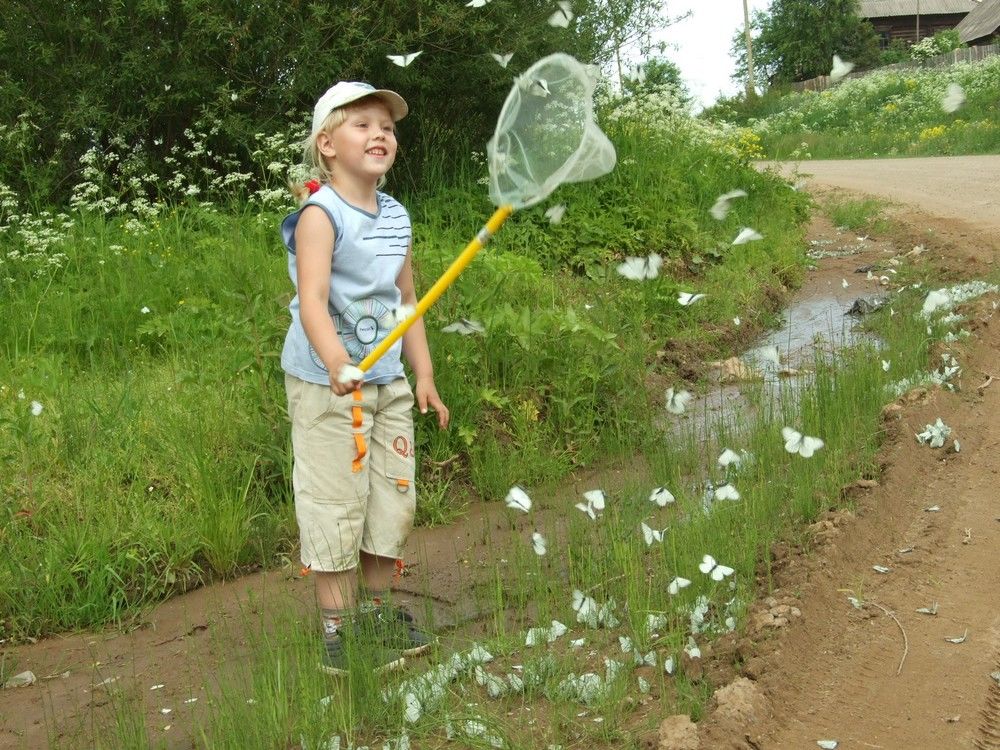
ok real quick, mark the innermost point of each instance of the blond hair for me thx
(315, 165)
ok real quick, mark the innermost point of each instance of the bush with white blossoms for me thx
(663, 110)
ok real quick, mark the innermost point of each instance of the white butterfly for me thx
(688, 298)
(747, 235)
(668, 665)
(736, 320)
(729, 457)
(539, 544)
(796, 442)
(518, 499)
(639, 269)
(655, 622)
(766, 356)
(595, 502)
(540, 87)
(726, 492)
(720, 208)
(674, 587)
(401, 313)
(584, 606)
(651, 535)
(563, 16)
(465, 326)
(413, 708)
(502, 60)
(691, 649)
(348, 373)
(476, 3)
(840, 68)
(828, 744)
(556, 213)
(886, 364)
(625, 644)
(677, 402)
(578, 643)
(843, 283)
(960, 638)
(404, 60)
(953, 98)
(714, 570)
(644, 659)
(661, 496)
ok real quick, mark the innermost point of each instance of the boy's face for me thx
(364, 145)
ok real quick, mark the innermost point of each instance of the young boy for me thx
(350, 257)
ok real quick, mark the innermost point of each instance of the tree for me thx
(146, 71)
(795, 40)
(654, 74)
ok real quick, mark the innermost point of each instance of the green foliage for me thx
(887, 112)
(150, 72)
(161, 458)
(654, 74)
(865, 214)
(795, 40)
(898, 51)
(942, 42)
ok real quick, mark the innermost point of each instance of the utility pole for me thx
(918, 21)
(751, 90)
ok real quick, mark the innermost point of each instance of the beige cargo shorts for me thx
(353, 471)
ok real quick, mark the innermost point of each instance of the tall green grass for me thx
(161, 458)
(274, 697)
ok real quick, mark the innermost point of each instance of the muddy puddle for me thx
(781, 361)
(823, 317)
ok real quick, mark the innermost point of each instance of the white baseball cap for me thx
(346, 92)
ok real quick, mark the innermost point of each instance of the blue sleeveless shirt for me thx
(368, 254)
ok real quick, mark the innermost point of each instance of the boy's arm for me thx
(417, 352)
(314, 238)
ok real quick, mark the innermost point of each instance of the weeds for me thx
(857, 214)
(885, 113)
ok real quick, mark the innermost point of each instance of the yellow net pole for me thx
(458, 265)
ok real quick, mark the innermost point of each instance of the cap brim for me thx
(394, 102)
(398, 107)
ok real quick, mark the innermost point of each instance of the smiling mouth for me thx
(378, 151)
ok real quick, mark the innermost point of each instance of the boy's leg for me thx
(391, 507)
(330, 480)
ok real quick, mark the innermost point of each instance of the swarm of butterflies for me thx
(561, 18)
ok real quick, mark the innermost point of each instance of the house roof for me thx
(981, 21)
(888, 8)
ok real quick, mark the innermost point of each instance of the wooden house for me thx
(913, 20)
(982, 25)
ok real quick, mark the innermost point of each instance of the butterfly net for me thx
(546, 134)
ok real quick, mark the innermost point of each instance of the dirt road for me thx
(866, 668)
(951, 187)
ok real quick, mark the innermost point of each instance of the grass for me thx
(858, 214)
(886, 113)
(160, 459)
(275, 697)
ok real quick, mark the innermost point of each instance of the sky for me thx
(700, 44)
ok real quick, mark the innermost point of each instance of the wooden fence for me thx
(963, 54)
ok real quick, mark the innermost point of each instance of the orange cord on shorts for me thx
(359, 438)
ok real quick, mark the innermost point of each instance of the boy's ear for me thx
(325, 144)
